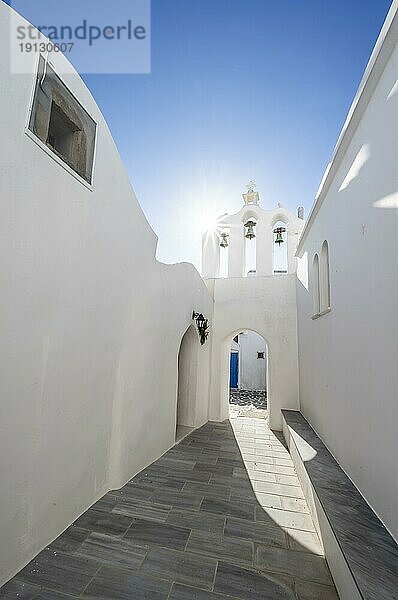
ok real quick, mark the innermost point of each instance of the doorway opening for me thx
(248, 375)
(187, 384)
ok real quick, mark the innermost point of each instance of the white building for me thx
(347, 289)
(82, 410)
(256, 295)
(248, 371)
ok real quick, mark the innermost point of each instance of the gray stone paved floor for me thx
(221, 516)
(254, 398)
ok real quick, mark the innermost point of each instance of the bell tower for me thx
(252, 242)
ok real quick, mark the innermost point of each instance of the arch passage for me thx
(244, 381)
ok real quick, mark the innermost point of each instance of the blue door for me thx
(234, 369)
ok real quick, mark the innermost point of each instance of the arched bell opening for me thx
(224, 252)
(279, 248)
(250, 235)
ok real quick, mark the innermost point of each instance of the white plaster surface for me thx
(252, 370)
(267, 306)
(91, 326)
(348, 357)
(263, 303)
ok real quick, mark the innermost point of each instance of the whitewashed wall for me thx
(91, 326)
(267, 306)
(252, 369)
(348, 358)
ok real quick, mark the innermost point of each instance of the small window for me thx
(60, 122)
(315, 285)
(260, 354)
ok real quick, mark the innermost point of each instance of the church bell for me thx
(279, 239)
(224, 240)
(250, 230)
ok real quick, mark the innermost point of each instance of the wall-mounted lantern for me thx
(203, 325)
(224, 240)
(279, 238)
(250, 225)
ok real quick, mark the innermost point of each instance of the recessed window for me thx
(260, 354)
(60, 122)
(324, 278)
(315, 285)
(321, 282)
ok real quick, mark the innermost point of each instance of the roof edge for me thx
(381, 53)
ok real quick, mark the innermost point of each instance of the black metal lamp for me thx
(203, 325)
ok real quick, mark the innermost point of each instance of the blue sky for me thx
(239, 89)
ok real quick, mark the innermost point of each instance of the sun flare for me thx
(209, 224)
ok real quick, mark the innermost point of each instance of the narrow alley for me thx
(219, 516)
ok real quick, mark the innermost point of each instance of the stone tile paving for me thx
(220, 516)
(255, 398)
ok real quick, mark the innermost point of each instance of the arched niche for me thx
(250, 249)
(315, 285)
(324, 278)
(187, 383)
